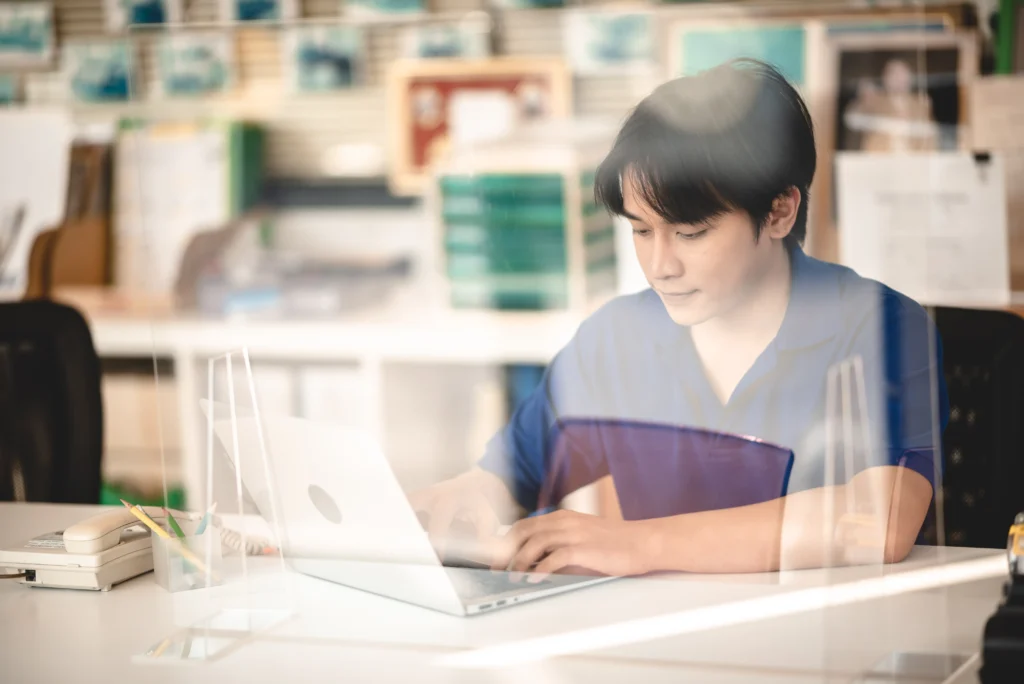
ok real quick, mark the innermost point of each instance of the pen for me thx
(206, 519)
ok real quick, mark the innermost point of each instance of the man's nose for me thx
(664, 261)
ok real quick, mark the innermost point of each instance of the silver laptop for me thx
(344, 518)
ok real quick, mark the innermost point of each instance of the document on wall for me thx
(997, 125)
(997, 113)
(932, 226)
(172, 182)
(35, 147)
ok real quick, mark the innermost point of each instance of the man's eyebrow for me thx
(630, 216)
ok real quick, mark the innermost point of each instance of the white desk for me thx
(49, 635)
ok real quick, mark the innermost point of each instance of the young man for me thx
(737, 334)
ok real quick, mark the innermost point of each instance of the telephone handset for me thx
(96, 553)
(103, 531)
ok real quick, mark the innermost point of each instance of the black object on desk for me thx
(1003, 647)
(51, 409)
(982, 469)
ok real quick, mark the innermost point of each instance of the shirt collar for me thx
(813, 314)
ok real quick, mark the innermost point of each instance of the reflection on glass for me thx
(190, 645)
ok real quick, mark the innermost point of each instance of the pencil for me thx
(174, 524)
(146, 520)
(160, 648)
(161, 532)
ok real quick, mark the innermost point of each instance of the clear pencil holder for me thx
(194, 562)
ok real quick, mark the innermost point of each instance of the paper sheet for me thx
(481, 115)
(171, 184)
(997, 112)
(932, 226)
(35, 147)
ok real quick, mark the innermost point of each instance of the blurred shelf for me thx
(399, 333)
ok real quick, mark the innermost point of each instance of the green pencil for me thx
(174, 524)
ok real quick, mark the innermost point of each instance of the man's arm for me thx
(807, 529)
(875, 518)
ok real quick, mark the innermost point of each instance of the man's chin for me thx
(685, 314)
(685, 310)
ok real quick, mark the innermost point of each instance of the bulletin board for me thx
(419, 94)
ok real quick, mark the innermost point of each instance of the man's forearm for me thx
(743, 539)
(808, 529)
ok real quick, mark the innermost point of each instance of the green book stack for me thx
(599, 241)
(507, 239)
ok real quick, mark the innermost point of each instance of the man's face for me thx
(699, 271)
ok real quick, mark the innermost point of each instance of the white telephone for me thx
(94, 554)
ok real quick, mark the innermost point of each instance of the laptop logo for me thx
(323, 502)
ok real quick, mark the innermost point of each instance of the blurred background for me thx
(389, 203)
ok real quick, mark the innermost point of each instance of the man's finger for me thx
(512, 541)
(555, 561)
(502, 550)
(534, 549)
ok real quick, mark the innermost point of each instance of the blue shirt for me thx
(629, 362)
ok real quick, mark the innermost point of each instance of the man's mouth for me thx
(678, 295)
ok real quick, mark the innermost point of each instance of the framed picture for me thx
(609, 41)
(466, 39)
(889, 92)
(323, 58)
(528, 4)
(99, 71)
(121, 14)
(370, 9)
(26, 34)
(792, 44)
(10, 90)
(421, 95)
(196, 64)
(258, 10)
(696, 46)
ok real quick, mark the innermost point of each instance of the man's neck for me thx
(758, 318)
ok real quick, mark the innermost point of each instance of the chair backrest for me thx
(982, 473)
(51, 412)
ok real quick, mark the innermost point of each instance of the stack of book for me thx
(521, 238)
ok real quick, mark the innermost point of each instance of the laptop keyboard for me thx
(477, 584)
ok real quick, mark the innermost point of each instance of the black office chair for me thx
(51, 410)
(983, 471)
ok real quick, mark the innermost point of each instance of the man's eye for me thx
(642, 232)
(692, 236)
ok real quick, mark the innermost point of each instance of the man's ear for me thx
(783, 214)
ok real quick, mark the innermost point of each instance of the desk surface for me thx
(813, 626)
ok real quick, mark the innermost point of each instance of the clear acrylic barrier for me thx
(890, 613)
(841, 613)
(241, 493)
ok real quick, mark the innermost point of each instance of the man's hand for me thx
(575, 542)
(462, 515)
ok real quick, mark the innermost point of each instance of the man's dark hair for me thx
(734, 137)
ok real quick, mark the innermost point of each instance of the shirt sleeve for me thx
(520, 453)
(913, 404)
